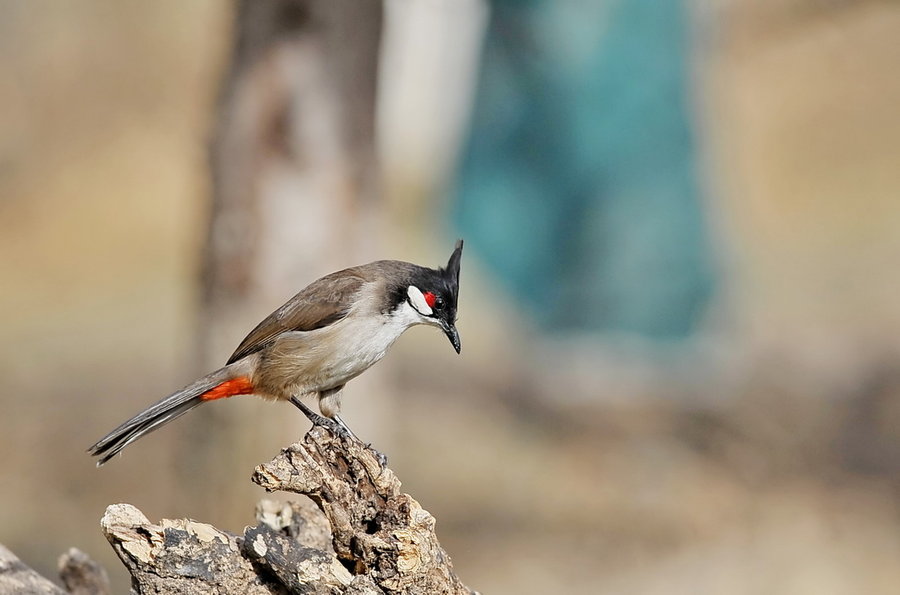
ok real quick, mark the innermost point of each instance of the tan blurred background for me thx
(761, 457)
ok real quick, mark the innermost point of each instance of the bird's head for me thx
(432, 293)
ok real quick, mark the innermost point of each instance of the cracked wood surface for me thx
(377, 530)
(357, 533)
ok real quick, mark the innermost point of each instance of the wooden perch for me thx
(377, 530)
(357, 534)
(79, 574)
(365, 537)
(16, 577)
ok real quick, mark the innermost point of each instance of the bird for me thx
(323, 337)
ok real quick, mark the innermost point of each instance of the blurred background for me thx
(680, 368)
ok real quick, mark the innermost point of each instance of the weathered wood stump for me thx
(356, 534)
(362, 535)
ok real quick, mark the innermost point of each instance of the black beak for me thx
(452, 334)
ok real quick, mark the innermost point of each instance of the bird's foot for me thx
(382, 458)
(335, 427)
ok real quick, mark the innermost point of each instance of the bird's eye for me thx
(434, 302)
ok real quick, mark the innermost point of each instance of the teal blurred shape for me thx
(578, 186)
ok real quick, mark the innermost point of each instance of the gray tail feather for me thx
(157, 415)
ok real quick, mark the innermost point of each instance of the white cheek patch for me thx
(418, 301)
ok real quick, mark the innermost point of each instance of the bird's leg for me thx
(330, 405)
(382, 458)
(343, 424)
(338, 429)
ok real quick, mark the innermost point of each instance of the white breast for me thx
(307, 362)
(363, 340)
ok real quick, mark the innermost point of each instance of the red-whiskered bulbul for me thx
(324, 336)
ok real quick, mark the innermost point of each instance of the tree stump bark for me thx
(356, 534)
(362, 536)
(377, 530)
(16, 577)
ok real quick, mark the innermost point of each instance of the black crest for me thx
(451, 272)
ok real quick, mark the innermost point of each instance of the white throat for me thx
(407, 315)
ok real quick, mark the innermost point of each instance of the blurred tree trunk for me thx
(294, 197)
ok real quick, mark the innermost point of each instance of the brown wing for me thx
(322, 303)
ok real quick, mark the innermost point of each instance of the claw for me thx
(346, 429)
(382, 458)
(334, 427)
(338, 428)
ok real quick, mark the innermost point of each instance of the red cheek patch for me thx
(429, 299)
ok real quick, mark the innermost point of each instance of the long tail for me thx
(225, 382)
